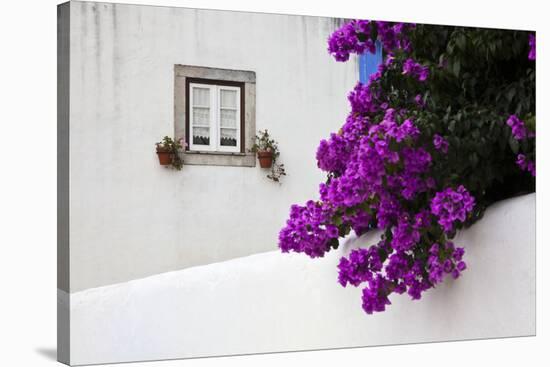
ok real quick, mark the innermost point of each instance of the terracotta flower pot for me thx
(265, 158)
(165, 157)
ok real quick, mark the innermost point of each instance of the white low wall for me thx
(281, 302)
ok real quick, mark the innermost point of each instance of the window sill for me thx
(206, 158)
(238, 154)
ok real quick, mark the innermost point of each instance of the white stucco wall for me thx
(130, 217)
(281, 302)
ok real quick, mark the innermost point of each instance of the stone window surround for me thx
(241, 159)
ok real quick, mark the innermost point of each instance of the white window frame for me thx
(237, 147)
(215, 119)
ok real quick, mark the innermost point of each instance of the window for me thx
(215, 111)
(368, 63)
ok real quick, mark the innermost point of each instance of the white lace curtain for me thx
(202, 109)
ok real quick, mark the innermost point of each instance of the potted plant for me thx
(267, 151)
(266, 158)
(168, 152)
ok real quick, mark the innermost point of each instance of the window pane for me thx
(228, 118)
(201, 97)
(228, 137)
(201, 136)
(201, 116)
(228, 98)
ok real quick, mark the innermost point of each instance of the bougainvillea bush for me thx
(443, 129)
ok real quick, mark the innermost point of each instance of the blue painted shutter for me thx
(368, 63)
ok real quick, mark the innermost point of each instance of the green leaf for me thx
(461, 42)
(510, 94)
(474, 159)
(452, 125)
(514, 145)
(456, 67)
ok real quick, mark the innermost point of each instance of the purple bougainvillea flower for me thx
(532, 47)
(308, 230)
(375, 295)
(519, 131)
(382, 169)
(354, 37)
(526, 164)
(440, 143)
(361, 266)
(451, 206)
(410, 67)
(419, 100)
